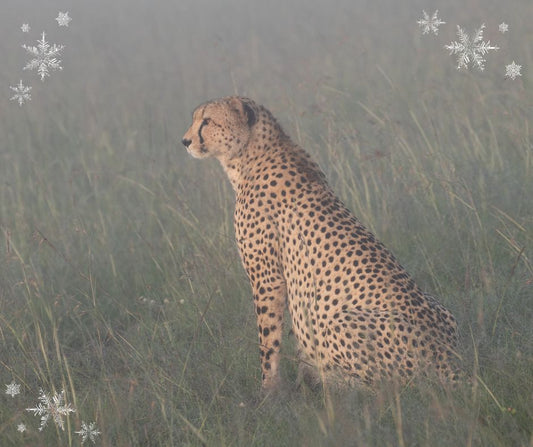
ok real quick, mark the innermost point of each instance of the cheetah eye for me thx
(205, 121)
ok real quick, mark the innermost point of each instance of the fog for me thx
(120, 279)
(169, 56)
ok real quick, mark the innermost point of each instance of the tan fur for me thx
(356, 313)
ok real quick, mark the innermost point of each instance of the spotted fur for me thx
(357, 314)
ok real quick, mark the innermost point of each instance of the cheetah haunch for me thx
(356, 313)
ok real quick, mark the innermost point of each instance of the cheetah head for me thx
(220, 128)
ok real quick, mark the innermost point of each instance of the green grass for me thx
(120, 281)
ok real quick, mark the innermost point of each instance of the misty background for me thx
(120, 281)
(165, 57)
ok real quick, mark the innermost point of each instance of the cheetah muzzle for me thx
(357, 314)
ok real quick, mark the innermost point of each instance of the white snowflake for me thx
(88, 431)
(13, 388)
(430, 24)
(470, 49)
(513, 70)
(44, 57)
(22, 94)
(54, 407)
(63, 19)
(503, 27)
(21, 428)
(25, 28)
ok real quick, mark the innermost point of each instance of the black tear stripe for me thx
(200, 132)
(200, 128)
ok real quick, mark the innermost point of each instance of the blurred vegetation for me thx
(120, 280)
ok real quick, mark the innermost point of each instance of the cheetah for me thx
(357, 315)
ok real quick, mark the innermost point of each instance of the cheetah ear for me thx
(250, 114)
(243, 107)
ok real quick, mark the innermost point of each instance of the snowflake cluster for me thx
(53, 407)
(513, 70)
(430, 24)
(63, 19)
(503, 27)
(470, 50)
(13, 389)
(44, 58)
(88, 431)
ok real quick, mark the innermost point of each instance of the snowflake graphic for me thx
(25, 28)
(513, 70)
(54, 407)
(44, 57)
(13, 388)
(430, 24)
(21, 428)
(88, 431)
(503, 27)
(63, 19)
(470, 49)
(22, 94)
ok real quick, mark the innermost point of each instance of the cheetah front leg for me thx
(269, 299)
(260, 256)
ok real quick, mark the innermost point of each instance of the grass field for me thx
(120, 282)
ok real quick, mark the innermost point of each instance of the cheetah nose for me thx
(186, 142)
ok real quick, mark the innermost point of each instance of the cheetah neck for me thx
(245, 161)
(237, 168)
(233, 169)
